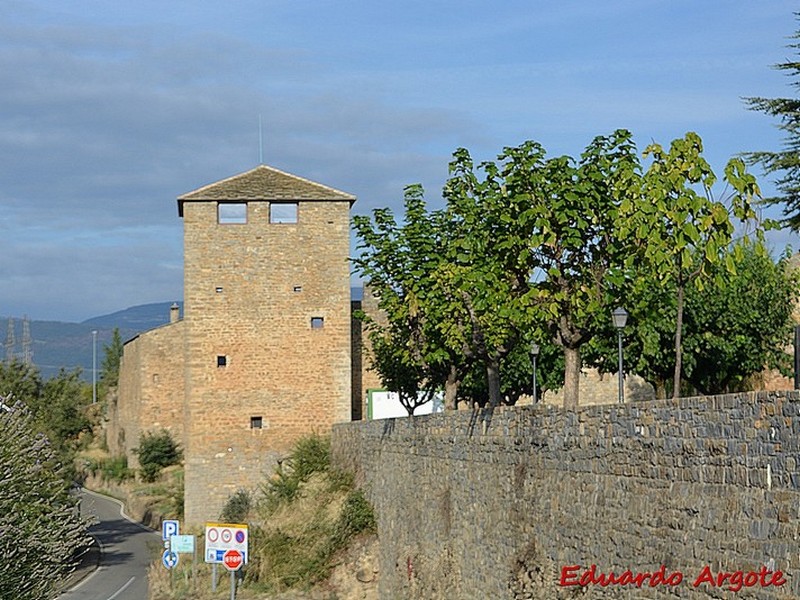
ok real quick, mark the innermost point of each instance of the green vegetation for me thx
(39, 523)
(785, 162)
(60, 407)
(156, 450)
(112, 356)
(533, 249)
(237, 507)
(307, 513)
(113, 469)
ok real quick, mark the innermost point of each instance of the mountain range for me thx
(57, 344)
(60, 345)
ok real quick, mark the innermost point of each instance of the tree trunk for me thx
(661, 389)
(572, 376)
(676, 385)
(493, 382)
(451, 389)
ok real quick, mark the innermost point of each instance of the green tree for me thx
(399, 263)
(580, 257)
(157, 450)
(112, 356)
(682, 232)
(738, 324)
(39, 523)
(786, 162)
(57, 405)
(742, 322)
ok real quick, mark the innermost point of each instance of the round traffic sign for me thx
(169, 559)
(232, 559)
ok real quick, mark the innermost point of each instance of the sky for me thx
(110, 110)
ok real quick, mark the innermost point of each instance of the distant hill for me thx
(58, 345)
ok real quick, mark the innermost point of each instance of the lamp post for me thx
(620, 317)
(94, 366)
(534, 354)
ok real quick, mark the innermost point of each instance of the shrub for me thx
(236, 508)
(311, 454)
(156, 450)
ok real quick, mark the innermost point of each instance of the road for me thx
(126, 548)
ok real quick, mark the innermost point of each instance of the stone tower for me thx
(267, 327)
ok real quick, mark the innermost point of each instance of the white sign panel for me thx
(386, 405)
(221, 537)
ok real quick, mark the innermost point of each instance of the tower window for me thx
(283, 212)
(231, 212)
(222, 361)
(256, 422)
(317, 322)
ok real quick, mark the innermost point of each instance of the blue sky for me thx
(110, 110)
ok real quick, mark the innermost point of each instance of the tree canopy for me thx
(39, 522)
(536, 249)
(785, 163)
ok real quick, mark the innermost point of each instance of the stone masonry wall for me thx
(151, 390)
(251, 291)
(496, 504)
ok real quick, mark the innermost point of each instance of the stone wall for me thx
(259, 374)
(151, 390)
(497, 504)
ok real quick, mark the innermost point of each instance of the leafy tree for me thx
(787, 161)
(157, 450)
(486, 273)
(739, 323)
(578, 254)
(58, 405)
(20, 381)
(400, 264)
(39, 523)
(742, 322)
(112, 355)
(684, 232)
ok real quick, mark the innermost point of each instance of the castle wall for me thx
(151, 390)
(251, 291)
(495, 504)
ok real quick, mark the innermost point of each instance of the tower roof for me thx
(264, 183)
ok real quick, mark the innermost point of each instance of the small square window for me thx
(317, 322)
(231, 213)
(256, 423)
(283, 212)
(222, 361)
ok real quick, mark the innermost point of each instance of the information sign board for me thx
(221, 537)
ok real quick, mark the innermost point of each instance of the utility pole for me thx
(27, 342)
(10, 341)
(94, 366)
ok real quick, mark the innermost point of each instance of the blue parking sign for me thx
(168, 529)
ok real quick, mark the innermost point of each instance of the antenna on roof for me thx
(260, 143)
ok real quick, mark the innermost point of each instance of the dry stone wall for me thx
(514, 502)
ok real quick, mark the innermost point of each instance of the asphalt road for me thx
(125, 551)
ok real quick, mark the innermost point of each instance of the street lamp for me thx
(620, 317)
(94, 366)
(534, 354)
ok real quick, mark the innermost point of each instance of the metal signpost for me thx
(220, 539)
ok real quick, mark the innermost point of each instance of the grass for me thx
(300, 522)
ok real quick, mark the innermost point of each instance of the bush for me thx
(156, 450)
(311, 454)
(236, 508)
(111, 469)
